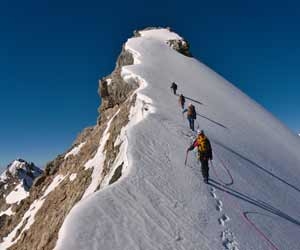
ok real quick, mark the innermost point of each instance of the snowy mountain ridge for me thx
(175, 210)
(123, 184)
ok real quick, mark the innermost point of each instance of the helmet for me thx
(200, 132)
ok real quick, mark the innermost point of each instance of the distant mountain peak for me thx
(20, 172)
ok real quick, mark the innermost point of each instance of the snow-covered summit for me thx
(17, 179)
(17, 165)
(15, 183)
(21, 170)
(161, 34)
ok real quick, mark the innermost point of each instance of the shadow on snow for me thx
(256, 165)
(261, 204)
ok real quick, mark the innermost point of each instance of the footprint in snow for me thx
(213, 194)
(219, 205)
(224, 218)
(179, 237)
(229, 240)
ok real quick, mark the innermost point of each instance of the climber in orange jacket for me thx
(204, 153)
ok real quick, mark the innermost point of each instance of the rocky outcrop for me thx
(66, 178)
(182, 46)
(113, 90)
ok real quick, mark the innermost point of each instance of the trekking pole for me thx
(186, 156)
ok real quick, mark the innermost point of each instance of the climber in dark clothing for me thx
(174, 87)
(204, 153)
(181, 101)
(191, 115)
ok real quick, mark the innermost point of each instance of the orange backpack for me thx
(203, 145)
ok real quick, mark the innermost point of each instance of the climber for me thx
(174, 87)
(191, 115)
(181, 101)
(204, 153)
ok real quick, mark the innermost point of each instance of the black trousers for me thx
(191, 123)
(204, 168)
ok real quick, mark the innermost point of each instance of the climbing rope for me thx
(238, 208)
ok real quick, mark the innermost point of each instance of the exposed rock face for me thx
(113, 90)
(65, 180)
(182, 46)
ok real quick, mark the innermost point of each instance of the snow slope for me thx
(253, 201)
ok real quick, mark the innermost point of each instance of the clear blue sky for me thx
(52, 54)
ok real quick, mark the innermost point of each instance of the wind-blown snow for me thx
(28, 217)
(253, 201)
(16, 195)
(137, 114)
(97, 161)
(75, 150)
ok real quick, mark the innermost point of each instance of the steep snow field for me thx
(253, 199)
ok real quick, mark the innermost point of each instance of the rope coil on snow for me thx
(243, 214)
(226, 169)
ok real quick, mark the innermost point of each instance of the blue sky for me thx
(52, 54)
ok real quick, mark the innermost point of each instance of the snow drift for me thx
(253, 199)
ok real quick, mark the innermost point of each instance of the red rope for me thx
(227, 170)
(259, 232)
(246, 219)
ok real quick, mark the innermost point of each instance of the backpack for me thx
(203, 145)
(193, 112)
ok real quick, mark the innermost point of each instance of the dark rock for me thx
(182, 46)
(39, 180)
(103, 88)
(117, 174)
(3, 219)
